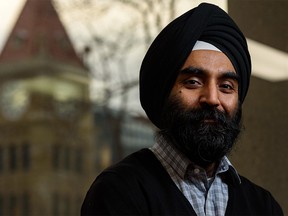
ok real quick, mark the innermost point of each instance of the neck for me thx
(211, 169)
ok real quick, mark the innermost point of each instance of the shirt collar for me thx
(171, 157)
(181, 165)
(226, 166)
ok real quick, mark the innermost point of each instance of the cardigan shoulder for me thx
(248, 198)
(137, 185)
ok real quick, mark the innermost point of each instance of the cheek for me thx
(230, 104)
(187, 98)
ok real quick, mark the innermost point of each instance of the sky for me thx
(9, 11)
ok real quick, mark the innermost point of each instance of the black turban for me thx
(172, 46)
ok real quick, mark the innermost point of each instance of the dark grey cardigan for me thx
(139, 185)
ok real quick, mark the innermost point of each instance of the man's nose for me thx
(210, 96)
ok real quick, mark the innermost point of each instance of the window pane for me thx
(56, 157)
(55, 204)
(1, 205)
(26, 156)
(12, 205)
(12, 158)
(78, 160)
(1, 160)
(26, 204)
(66, 155)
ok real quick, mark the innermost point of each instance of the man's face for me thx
(202, 114)
(207, 78)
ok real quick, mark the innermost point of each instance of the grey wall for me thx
(262, 151)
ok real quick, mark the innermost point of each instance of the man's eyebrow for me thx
(231, 75)
(198, 71)
(192, 70)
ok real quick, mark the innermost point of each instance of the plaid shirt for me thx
(207, 196)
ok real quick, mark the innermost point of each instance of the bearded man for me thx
(193, 81)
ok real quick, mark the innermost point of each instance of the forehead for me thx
(209, 60)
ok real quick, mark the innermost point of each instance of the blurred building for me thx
(261, 154)
(46, 122)
(48, 156)
(120, 134)
(137, 133)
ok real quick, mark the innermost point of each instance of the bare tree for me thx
(107, 47)
(108, 64)
(152, 14)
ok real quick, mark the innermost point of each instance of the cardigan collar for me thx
(183, 167)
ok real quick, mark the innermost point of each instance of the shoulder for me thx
(253, 198)
(138, 164)
(252, 188)
(117, 190)
(128, 187)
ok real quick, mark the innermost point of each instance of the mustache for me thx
(174, 113)
(202, 116)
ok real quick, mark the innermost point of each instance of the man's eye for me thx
(227, 86)
(192, 83)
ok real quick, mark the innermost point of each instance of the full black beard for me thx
(203, 142)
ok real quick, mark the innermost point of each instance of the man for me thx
(193, 81)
